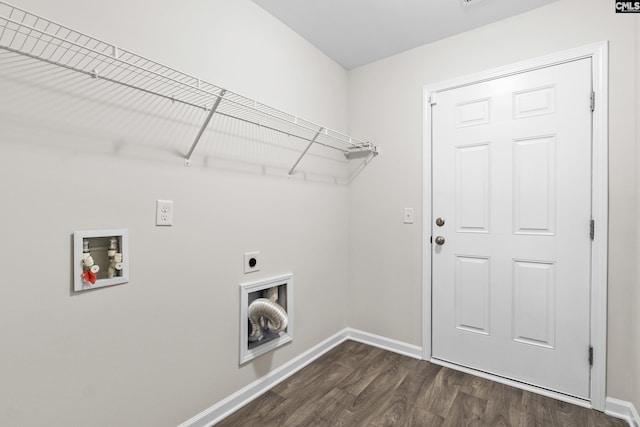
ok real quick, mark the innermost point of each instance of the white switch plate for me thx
(408, 215)
(164, 212)
(251, 262)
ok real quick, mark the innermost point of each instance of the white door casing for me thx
(514, 316)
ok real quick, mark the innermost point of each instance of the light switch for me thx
(408, 215)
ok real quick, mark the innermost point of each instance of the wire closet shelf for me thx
(39, 38)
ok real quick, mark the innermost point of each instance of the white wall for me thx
(636, 300)
(386, 105)
(163, 347)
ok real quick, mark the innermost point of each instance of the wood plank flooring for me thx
(358, 385)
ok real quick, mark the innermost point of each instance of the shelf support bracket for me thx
(305, 151)
(205, 124)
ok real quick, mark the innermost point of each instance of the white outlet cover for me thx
(251, 262)
(164, 212)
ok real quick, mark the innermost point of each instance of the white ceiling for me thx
(357, 32)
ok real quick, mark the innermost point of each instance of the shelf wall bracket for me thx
(205, 124)
(313, 140)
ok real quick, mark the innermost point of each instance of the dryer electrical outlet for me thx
(251, 262)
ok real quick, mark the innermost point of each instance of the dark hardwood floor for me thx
(358, 385)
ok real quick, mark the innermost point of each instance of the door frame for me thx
(598, 53)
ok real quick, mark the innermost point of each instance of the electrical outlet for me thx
(164, 212)
(251, 263)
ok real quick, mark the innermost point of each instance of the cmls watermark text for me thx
(627, 6)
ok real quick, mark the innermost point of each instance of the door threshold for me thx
(517, 384)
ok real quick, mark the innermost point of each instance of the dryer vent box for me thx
(281, 286)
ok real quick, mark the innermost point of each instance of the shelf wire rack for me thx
(39, 38)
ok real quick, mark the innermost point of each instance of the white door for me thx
(512, 182)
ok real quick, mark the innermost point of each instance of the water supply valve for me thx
(90, 268)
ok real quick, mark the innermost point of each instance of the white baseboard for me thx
(623, 410)
(225, 407)
(384, 343)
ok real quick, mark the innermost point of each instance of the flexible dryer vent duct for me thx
(266, 313)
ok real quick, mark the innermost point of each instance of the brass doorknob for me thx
(440, 240)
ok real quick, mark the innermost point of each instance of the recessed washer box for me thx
(100, 258)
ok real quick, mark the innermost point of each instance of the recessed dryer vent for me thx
(266, 316)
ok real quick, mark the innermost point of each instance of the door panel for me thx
(472, 297)
(534, 178)
(534, 290)
(512, 179)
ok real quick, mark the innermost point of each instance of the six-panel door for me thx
(512, 180)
